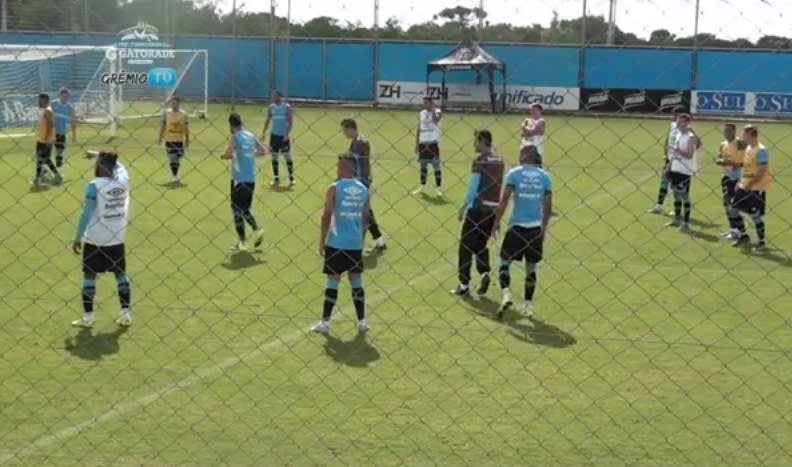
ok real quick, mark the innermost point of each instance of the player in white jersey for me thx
(532, 131)
(682, 167)
(101, 232)
(668, 149)
(427, 144)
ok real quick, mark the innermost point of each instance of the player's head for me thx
(683, 121)
(64, 94)
(750, 134)
(536, 110)
(678, 110)
(277, 96)
(175, 103)
(428, 103)
(235, 122)
(729, 131)
(349, 127)
(529, 155)
(105, 164)
(346, 166)
(43, 100)
(482, 141)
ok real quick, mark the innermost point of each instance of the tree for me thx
(661, 37)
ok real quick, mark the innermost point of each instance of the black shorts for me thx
(279, 144)
(99, 259)
(60, 141)
(340, 261)
(477, 228)
(750, 202)
(242, 195)
(728, 189)
(43, 151)
(679, 181)
(522, 243)
(174, 148)
(428, 151)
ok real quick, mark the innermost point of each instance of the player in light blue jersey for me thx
(242, 150)
(65, 118)
(344, 222)
(532, 190)
(280, 114)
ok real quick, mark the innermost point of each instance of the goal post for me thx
(109, 84)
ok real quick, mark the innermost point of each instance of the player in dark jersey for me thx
(360, 151)
(478, 214)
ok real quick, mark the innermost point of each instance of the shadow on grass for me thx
(707, 237)
(39, 188)
(242, 260)
(530, 330)
(436, 200)
(357, 353)
(173, 185)
(371, 261)
(89, 346)
(774, 255)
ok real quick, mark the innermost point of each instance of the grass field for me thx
(651, 347)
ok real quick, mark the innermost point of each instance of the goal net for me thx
(108, 84)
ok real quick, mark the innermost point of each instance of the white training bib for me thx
(108, 223)
(536, 140)
(680, 164)
(429, 130)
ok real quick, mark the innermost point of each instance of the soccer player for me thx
(100, 235)
(344, 222)
(360, 151)
(45, 137)
(242, 150)
(175, 130)
(670, 141)
(751, 195)
(478, 214)
(280, 114)
(533, 129)
(731, 154)
(65, 118)
(532, 190)
(682, 167)
(427, 140)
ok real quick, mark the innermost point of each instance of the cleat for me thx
(57, 179)
(124, 320)
(377, 249)
(527, 310)
(656, 209)
(506, 303)
(322, 327)
(292, 182)
(729, 234)
(418, 190)
(175, 180)
(484, 286)
(362, 326)
(742, 241)
(684, 228)
(84, 322)
(36, 182)
(439, 193)
(674, 223)
(259, 238)
(275, 182)
(238, 247)
(461, 291)
(759, 245)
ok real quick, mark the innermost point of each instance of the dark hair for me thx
(484, 136)
(428, 98)
(175, 99)
(64, 91)
(276, 92)
(685, 116)
(235, 120)
(349, 123)
(537, 105)
(730, 126)
(107, 160)
(751, 130)
(678, 110)
(529, 151)
(43, 95)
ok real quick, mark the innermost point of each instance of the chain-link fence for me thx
(656, 338)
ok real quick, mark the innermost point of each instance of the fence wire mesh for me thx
(647, 345)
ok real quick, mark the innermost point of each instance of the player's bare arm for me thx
(229, 152)
(506, 195)
(289, 121)
(73, 124)
(186, 132)
(267, 122)
(366, 215)
(547, 210)
(162, 129)
(49, 122)
(261, 150)
(327, 216)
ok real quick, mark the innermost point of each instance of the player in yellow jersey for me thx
(175, 131)
(751, 195)
(731, 154)
(45, 138)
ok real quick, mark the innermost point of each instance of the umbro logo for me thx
(353, 191)
(116, 192)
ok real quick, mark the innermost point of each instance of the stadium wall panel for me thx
(539, 66)
(637, 68)
(744, 71)
(297, 70)
(349, 71)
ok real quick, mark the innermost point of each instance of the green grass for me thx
(654, 347)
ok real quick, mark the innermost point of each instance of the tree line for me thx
(184, 17)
